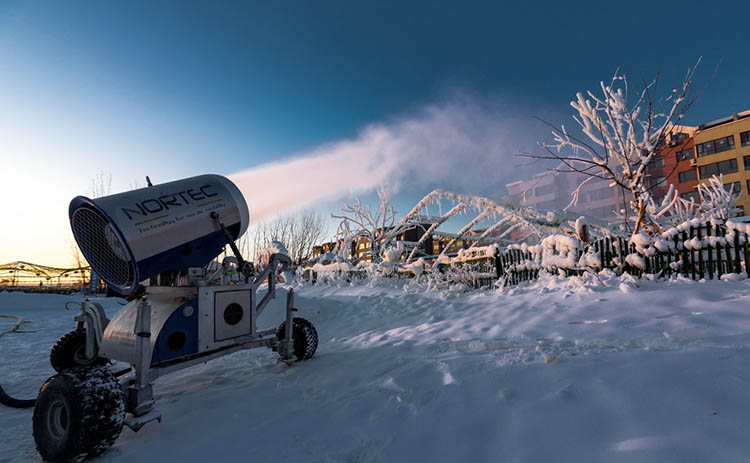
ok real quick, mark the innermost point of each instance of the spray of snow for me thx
(463, 144)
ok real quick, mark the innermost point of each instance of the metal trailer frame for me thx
(137, 381)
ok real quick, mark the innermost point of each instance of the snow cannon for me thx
(132, 236)
(196, 309)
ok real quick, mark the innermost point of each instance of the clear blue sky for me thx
(180, 88)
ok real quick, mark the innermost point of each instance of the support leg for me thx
(140, 395)
(286, 349)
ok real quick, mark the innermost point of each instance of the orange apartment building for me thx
(674, 165)
(688, 156)
(695, 155)
(723, 147)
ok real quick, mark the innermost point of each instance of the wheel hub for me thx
(80, 356)
(57, 419)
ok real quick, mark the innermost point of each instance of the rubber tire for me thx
(305, 338)
(78, 415)
(69, 352)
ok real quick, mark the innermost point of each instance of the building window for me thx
(657, 161)
(685, 154)
(679, 137)
(660, 181)
(734, 187)
(747, 162)
(724, 167)
(724, 144)
(688, 175)
(745, 138)
(602, 193)
(544, 189)
(715, 146)
(690, 195)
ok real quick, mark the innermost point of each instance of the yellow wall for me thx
(739, 151)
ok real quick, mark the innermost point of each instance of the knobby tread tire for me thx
(94, 407)
(66, 353)
(305, 337)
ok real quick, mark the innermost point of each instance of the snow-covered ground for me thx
(552, 371)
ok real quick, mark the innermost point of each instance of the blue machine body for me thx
(179, 335)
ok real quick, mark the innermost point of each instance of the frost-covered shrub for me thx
(461, 277)
(559, 252)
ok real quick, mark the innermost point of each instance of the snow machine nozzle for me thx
(132, 236)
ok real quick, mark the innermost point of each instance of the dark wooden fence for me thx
(716, 257)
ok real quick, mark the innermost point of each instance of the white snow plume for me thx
(462, 144)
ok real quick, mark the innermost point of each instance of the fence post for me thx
(701, 264)
(497, 263)
(709, 254)
(631, 250)
(689, 254)
(720, 258)
(659, 263)
(623, 253)
(607, 252)
(510, 269)
(519, 258)
(737, 267)
(532, 272)
(747, 254)
(727, 252)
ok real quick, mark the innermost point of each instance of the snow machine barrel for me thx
(132, 236)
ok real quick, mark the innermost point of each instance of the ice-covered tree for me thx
(715, 201)
(379, 227)
(298, 232)
(503, 221)
(621, 130)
